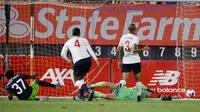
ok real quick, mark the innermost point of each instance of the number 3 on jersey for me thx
(127, 46)
(77, 44)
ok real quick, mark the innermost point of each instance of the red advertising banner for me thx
(55, 69)
(53, 24)
(162, 76)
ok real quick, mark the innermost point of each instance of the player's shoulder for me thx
(13, 80)
(124, 36)
(76, 38)
(83, 40)
(135, 36)
(69, 41)
(9, 83)
(17, 76)
(132, 35)
(128, 35)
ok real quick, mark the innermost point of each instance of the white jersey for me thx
(79, 48)
(127, 42)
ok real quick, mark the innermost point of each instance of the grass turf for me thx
(68, 105)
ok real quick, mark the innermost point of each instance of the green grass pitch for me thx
(68, 105)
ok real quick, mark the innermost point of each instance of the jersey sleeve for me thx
(64, 52)
(23, 76)
(9, 90)
(121, 42)
(90, 50)
(136, 40)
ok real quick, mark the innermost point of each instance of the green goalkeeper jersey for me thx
(130, 93)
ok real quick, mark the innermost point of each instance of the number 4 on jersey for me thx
(77, 44)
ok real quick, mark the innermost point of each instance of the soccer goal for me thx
(33, 32)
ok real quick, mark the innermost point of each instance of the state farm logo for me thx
(165, 79)
(18, 29)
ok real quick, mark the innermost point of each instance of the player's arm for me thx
(33, 76)
(151, 99)
(64, 54)
(135, 45)
(119, 53)
(10, 96)
(136, 49)
(119, 56)
(10, 93)
(92, 53)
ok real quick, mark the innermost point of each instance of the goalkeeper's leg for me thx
(109, 85)
(105, 96)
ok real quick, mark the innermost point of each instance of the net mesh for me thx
(189, 62)
(53, 21)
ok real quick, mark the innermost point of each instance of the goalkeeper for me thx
(18, 86)
(124, 93)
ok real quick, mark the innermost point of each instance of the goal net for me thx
(38, 30)
(188, 43)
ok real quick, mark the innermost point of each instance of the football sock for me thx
(138, 86)
(123, 82)
(80, 84)
(84, 87)
(81, 94)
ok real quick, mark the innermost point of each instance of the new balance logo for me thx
(165, 79)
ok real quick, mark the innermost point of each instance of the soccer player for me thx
(17, 86)
(120, 93)
(81, 54)
(131, 59)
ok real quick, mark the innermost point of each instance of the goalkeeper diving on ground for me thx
(17, 86)
(124, 93)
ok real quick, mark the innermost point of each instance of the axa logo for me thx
(18, 29)
(56, 75)
(165, 79)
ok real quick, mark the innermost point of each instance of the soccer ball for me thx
(190, 93)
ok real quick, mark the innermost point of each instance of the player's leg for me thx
(81, 85)
(137, 72)
(46, 84)
(126, 69)
(109, 85)
(80, 70)
(105, 96)
(109, 96)
(35, 90)
(35, 85)
(125, 77)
